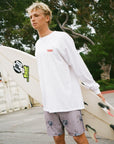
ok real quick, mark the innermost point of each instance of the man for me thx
(60, 70)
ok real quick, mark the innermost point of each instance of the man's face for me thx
(38, 19)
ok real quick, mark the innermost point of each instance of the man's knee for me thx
(59, 139)
(81, 139)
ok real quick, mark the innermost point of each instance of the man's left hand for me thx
(101, 96)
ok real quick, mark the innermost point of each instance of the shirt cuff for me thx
(97, 91)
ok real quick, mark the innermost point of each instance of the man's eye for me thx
(36, 15)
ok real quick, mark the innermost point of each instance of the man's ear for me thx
(47, 18)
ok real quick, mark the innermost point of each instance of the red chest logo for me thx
(50, 50)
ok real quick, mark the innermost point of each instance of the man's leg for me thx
(81, 139)
(54, 127)
(59, 139)
(74, 125)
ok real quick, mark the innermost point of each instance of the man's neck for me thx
(44, 32)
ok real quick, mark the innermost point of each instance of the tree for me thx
(16, 30)
(103, 22)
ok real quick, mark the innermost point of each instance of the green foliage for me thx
(106, 84)
(15, 30)
(92, 65)
(112, 72)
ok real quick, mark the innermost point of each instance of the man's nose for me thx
(32, 19)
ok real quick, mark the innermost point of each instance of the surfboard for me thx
(98, 116)
(22, 67)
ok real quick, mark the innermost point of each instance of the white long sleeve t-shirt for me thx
(60, 69)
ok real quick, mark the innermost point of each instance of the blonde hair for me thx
(42, 6)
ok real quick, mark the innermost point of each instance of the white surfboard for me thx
(23, 70)
(97, 120)
(98, 116)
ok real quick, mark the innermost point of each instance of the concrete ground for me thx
(28, 127)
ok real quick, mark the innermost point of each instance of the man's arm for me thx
(75, 61)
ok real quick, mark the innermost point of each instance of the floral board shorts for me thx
(71, 121)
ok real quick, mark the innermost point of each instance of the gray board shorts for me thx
(71, 121)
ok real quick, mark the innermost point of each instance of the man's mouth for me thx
(34, 24)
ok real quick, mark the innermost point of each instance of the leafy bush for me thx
(106, 84)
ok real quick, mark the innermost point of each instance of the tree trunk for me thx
(106, 71)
